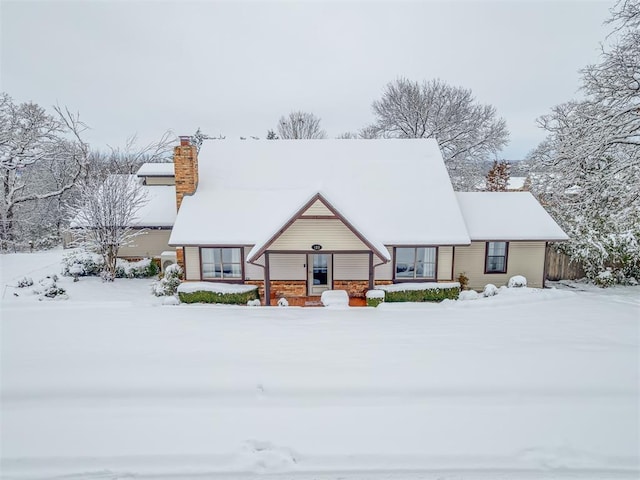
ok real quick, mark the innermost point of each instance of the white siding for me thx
(385, 271)
(331, 234)
(251, 271)
(353, 266)
(149, 244)
(287, 266)
(445, 261)
(192, 263)
(160, 180)
(318, 208)
(524, 258)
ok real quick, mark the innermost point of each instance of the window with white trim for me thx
(221, 263)
(415, 263)
(496, 261)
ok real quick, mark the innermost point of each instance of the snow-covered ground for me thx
(111, 384)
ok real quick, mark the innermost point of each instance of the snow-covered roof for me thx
(156, 170)
(394, 191)
(160, 210)
(507, 216)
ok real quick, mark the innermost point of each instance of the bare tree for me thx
(498, 176)
(105, 216)
(468, 133)
(29, 137)
(299, 125)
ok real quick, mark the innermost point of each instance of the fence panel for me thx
(560, 267)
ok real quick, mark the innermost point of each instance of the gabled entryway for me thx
(315, 250)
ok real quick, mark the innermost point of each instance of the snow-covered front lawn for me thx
(111, 384)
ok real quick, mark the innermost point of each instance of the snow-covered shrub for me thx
(597, 249)
(490, 290)
(208, 292)
(144, 268)
(517, 281)
(253, 303)
(81, 263)
(420, 292)
(47, 287)
(375, 297)
(469, 295)
(335, 298)
(283, 302)
(168, 284)
(171, 300)
(25, 282)
(605, 278)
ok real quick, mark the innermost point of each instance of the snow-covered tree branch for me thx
(588, 168)
(32, 142)
(104, 216)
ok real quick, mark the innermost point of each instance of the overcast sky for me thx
(233, 68)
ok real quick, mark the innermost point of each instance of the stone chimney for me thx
(185, 160)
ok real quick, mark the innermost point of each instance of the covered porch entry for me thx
(316, 250)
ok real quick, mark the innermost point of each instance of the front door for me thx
(319, 273)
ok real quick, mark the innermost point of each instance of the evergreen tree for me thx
(498, 176)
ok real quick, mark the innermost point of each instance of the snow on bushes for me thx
(489, 290)
(82, 264)
(374, 297)
(253, 303)
(517, 281)
(25, 282)
(420, 292)
(168, 284)
(48, 288)
(209, 292)
(335, 298)
(468, 295)
(283, 302)
(605, 278)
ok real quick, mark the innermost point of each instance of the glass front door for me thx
(319, 270)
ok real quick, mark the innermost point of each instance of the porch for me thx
(314, 301)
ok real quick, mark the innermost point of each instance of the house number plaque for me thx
(315, 246)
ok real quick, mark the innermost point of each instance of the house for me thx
(297, 217)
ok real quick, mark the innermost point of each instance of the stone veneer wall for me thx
(355, 288)
(260, 285)
(288, 288)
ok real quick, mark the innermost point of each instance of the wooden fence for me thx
(560, 267)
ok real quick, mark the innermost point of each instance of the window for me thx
(416, 263)
(222, 263)
(496, 261)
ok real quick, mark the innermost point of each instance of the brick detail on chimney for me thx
(185, 159)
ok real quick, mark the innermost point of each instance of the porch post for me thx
(267, 280)
(371, 271)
